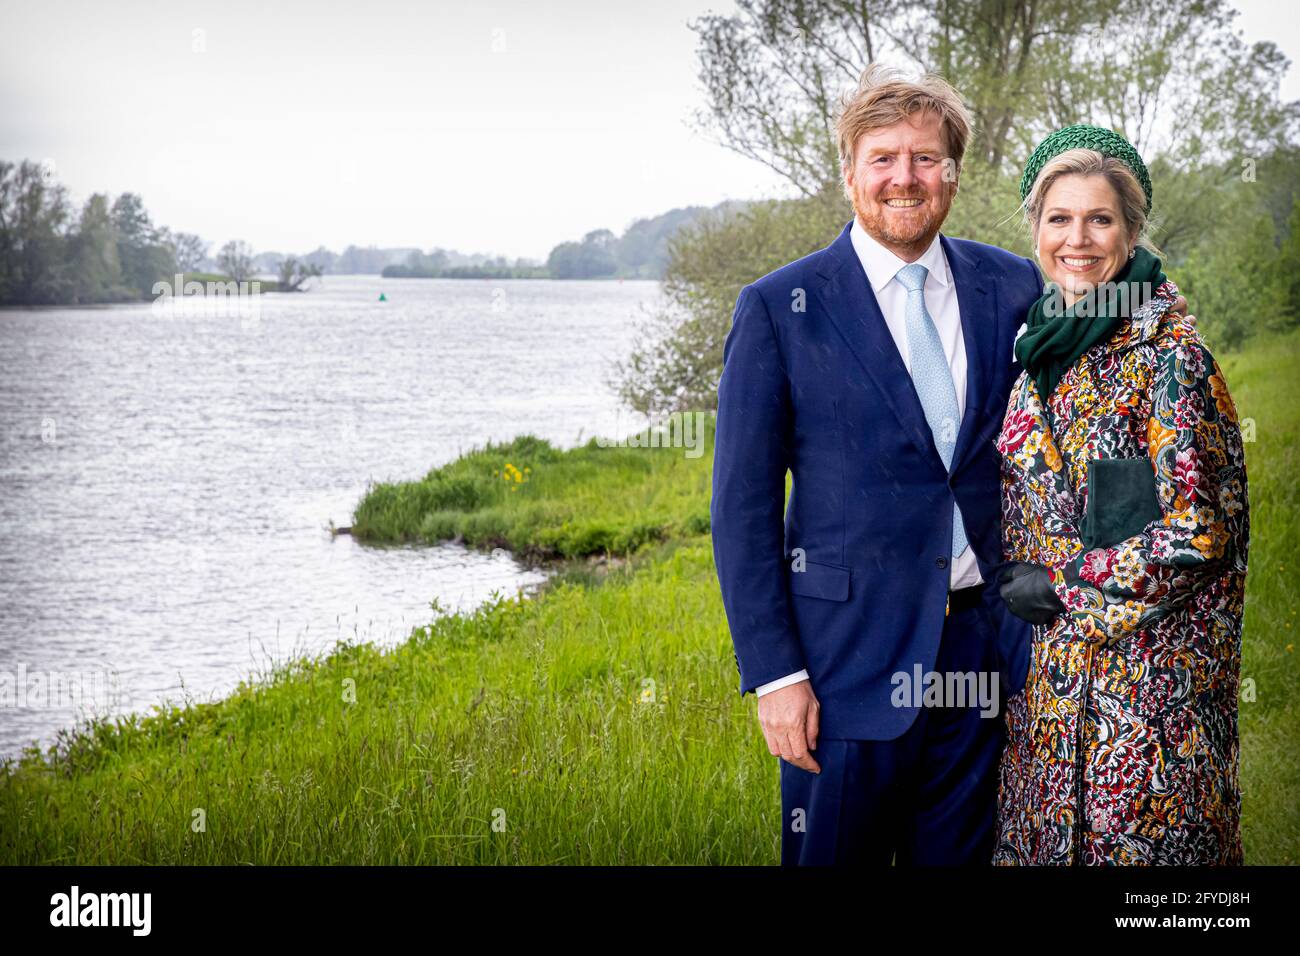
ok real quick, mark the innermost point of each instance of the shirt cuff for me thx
(786, 681)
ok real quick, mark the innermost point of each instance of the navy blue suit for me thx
(813, 383)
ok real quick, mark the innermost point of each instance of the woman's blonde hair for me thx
(1089, 162)
(885, 95)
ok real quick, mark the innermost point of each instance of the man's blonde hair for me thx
(885, 95)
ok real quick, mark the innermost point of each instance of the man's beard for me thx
(915, 233)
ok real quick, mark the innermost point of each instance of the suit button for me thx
(940, 562)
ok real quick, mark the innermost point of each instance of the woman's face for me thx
(1082, 240)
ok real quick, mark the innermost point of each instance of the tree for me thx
(144, 256)
(236, 260)
(592, 258)
(771, 75)
(293, 273)
(564, 261)
(674, 364)
(321, 257)
(598, 253)
(1235, 283)
(370, 261)
(643, 248)
(188, 249)
(132, 221)
(1171, 74)
(96, 268)
(111, 253)
(33, 248)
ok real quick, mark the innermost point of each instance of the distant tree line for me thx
(642, 252)
(111, 251)
(108, 251)
(407, 262)
(441, 264)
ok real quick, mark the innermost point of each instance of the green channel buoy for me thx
(382, 297)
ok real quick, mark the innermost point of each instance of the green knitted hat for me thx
(1083, 136)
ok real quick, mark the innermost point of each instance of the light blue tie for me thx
(932, 377)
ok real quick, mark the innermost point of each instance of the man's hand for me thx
(789, 718)
(1180, 306)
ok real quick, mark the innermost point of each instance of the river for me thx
(168, 477)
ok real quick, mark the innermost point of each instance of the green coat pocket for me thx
(1122, 501)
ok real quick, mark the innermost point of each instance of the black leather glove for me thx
(1028, 593)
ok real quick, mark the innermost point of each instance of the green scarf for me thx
(1053, 343)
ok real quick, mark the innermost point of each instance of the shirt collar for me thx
(881, 265)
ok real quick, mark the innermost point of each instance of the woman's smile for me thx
(1079, 264)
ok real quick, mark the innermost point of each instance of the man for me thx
(877, 372)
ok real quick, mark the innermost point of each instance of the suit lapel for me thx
(847, 298)
(978, 304)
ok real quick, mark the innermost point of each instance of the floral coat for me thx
(1122, 748)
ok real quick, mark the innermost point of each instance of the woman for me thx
(1124, 508)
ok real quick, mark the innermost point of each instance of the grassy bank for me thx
(545, 504)
(595, 723)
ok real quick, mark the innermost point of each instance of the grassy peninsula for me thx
(597, 722)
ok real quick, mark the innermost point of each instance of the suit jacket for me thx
(813, 383)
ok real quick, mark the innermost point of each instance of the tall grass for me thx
(594, 725)
(1259, 378)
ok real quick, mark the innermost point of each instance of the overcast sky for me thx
(500, 127)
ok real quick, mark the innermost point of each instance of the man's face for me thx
(897, 182)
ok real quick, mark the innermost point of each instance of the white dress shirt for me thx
(881, 267)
